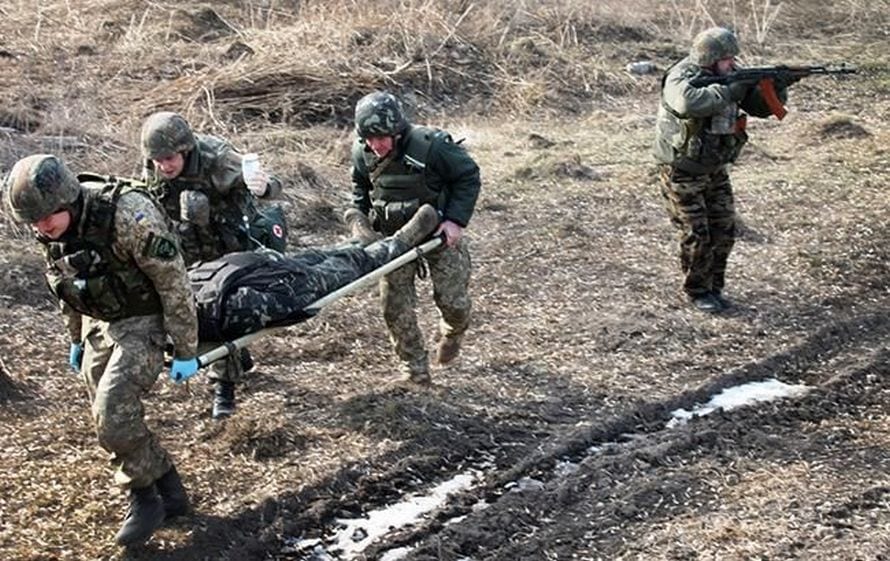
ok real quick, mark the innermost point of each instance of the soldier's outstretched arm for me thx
(143, 236)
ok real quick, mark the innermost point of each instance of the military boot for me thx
(359, 226)
(724, 302)
(706, 303)
(420, 227)
(223, 399)
(448, 348)
(416, 372)
(145, 515)
(176, 500)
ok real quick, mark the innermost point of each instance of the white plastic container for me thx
(250, 167)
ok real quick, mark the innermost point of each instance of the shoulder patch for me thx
(160, 247)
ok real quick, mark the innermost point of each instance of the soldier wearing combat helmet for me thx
(198, 179)
(121, 282)
(699, 132)
(396, 168)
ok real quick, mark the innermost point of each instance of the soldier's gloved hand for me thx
(75, 356)
(183, 368)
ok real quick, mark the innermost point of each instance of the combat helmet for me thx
(713, 44)
(38, 186)
(379, 114)
(166, 133)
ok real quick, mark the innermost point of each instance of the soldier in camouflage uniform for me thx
(121, 282)
(699, 131)
(198, 179)
(396, 168)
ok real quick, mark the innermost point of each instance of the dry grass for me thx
(578, 314)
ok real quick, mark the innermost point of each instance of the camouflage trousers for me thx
(701, 208)
(449, 271)
(121, 362)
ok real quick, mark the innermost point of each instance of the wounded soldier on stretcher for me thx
(245, 292)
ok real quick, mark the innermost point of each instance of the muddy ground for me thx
(582, 345)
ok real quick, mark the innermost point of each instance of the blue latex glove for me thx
(183, 368)
(75, 356)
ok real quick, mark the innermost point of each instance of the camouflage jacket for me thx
(684, 133)
(133, 258)
(425, 165)
(213, 169)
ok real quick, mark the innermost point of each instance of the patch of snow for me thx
(740, 396)
(358, 533)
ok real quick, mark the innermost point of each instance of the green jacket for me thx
(683, 131)
(426, 166)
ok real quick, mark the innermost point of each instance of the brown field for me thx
(581, 345)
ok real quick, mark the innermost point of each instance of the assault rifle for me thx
(768, 76)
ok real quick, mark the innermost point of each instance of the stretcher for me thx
(230, 347)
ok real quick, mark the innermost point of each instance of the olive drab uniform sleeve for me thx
(460, 175)
(226, 174)
(141, 234)
(688, 101)
(361, 179)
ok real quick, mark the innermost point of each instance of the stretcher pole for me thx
(231, 346)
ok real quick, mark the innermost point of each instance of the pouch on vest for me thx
(388, 217)
(269, 228)
(97, 297)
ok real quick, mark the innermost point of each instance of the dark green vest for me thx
(85, 273)
(400, 184)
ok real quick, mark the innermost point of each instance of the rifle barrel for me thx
(758, 72)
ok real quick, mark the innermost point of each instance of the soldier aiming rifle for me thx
(706, 100)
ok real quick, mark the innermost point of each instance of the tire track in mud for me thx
(630, 448)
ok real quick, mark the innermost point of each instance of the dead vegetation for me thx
(580, 336)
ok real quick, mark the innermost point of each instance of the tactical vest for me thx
(706, 144)
(400, 183)
(227, 231)
(86, 273)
